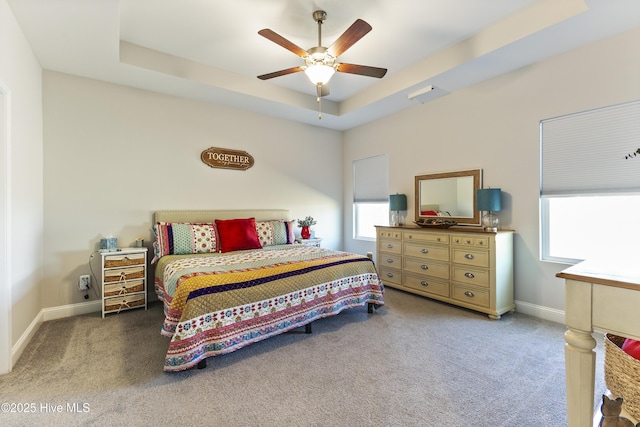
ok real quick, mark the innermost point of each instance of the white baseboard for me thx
(542, 312)
(69, 310)
(51, 313)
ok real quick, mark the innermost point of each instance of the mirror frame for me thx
(477, 184)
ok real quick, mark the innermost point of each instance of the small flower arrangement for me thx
(307, 222)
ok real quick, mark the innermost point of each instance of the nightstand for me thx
(309, 242)
(124, 280)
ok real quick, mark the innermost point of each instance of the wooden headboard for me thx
(210, 216)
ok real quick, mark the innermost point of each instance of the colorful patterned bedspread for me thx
(218, 303)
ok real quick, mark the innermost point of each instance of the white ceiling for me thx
(209, 50)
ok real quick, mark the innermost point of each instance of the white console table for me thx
(602, 295)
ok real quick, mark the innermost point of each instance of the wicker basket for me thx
(123, 302)
(123, 260)
(124, 274)
(121, 288)
(622, 374)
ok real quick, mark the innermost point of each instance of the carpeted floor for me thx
(414, 362)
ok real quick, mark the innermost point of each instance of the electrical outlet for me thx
(84, 282)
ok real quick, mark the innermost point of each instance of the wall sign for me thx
(227, 159)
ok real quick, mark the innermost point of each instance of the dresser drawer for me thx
(390, 261)
(471, 295)
(434, 252)
(389, 275)
(471, 276)
(427, 284)
(426, 237)
(389, 234)
(475, 258)
(391, 246)
(426, 267)
(467, 240)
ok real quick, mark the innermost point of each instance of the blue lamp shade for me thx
(398, 202)
(489, 199)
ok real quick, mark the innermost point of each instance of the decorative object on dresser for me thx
(450, 194)
(124, 280)
(305, 225)
(489, 200)
(462, 266)
(397, 203)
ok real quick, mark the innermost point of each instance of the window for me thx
(370, 196)
(589, 191)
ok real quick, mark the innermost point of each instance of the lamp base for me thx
(395, 219)
(490, 222)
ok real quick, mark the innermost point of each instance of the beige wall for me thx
(494, 126)
(113, 155)
(21, 183)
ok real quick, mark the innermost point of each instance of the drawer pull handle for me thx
(469, 294)
(469, 256)
(469, 275)
(424, 267)
(438, 239)
(389, 274)
(480, 242)
(424, 250)
(389, 246)
(390, 260)
(424, 283)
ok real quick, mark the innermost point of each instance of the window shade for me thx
(584, 153)
(370, 179)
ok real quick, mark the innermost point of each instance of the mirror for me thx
(451, 195)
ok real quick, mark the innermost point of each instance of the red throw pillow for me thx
(631, 347)
(237, 234)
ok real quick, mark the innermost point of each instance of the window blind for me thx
(370, 179)
(584, 153)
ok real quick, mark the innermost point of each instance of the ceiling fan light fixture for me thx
(319, 73)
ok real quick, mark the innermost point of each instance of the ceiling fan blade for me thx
(362, 70)
(355, 32)
(280, 73)
(278, 39)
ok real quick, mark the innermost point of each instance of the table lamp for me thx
(490, 201)
(397, 203)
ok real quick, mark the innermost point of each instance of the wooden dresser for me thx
(467, 267)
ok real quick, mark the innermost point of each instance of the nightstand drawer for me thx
(427, 284)
(122, 274)
(426, 267)
(471, 257)
(111, 261)
(471, 295)
(122, 288)
(124, 302)
(471, 276)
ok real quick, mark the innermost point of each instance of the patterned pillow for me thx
(184, 238)
(275, 232)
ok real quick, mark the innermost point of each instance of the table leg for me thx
(580, 365)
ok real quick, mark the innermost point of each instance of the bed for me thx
(229, 278)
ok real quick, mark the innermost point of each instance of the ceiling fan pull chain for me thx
(318, 100)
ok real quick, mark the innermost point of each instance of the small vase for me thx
(305, 233)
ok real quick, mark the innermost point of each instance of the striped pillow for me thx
(184, 238)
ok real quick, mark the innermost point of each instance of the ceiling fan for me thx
(320, 62)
